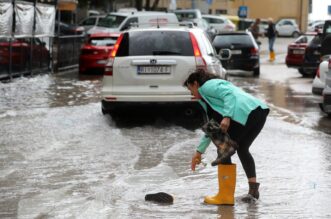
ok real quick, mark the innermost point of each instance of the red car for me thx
(296, 50)
(94, 53)
(21, 52)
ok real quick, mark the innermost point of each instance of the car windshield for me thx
(111, 21)
(181, 16)
(103, 41)
(227, 40)
(304, 39)
(156, 43)
(315, 41)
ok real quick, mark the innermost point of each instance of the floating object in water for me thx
(160, 197)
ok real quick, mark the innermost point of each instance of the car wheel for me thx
(301, 71)
(104, 112)
(256, 72)
(295, 34)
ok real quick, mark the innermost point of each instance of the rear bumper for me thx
(241, 64)
(326, 104)
(294, 62)
(108, 106)
(310, 67)
(317, 86)
(317, 90)
(87, 64)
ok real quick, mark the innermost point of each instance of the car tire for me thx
(104, 112)
(301, 71)
(295, 34)
(256, 72)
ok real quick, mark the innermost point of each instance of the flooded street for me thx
(61, 158)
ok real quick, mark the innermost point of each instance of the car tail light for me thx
(110, 62)
(254, 51)
(329, 63)
(200, 62)
(116, 46)
(318, 72)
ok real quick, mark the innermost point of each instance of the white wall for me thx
(320, 10)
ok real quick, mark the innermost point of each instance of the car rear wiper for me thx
(164, 52)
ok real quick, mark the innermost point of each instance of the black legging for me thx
(244, 135)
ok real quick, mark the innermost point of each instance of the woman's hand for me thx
(196, 159)
(225, 124)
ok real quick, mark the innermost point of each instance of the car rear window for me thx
(111, 21)
(304, 39)
(103, 41)
(165, 43)
(315, 41)
(227, 40)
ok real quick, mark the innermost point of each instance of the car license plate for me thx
(236, 52)
(151, 69)
(299, 51)
(317, 53)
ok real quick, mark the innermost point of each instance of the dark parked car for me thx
(312, 57)
(296, 50)
(244, 51)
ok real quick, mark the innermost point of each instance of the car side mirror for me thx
(224, 54)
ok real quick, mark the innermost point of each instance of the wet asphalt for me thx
(61, 158)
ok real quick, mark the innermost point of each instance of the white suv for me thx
(322, 73)
(117, 22)
(149, 66)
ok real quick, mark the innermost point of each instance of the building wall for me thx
(275, 9)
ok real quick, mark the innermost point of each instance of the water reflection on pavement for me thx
(61, 158)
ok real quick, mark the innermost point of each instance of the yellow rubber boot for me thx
(273, 56)
(226, 186)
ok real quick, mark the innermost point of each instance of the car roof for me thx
(167, 28)
(234, 33)
(214, 16)
(138, 13)
(104, 34)
(186, 10)
(95, 16)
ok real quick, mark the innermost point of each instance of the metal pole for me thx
(10, 43)
(33, 35)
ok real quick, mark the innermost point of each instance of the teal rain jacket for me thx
(228, 100)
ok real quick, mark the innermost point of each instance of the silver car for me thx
(149, 65)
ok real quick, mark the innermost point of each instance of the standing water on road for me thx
(61, 158)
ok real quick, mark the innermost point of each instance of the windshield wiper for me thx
(163, 52)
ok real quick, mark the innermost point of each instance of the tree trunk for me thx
(139, 5)
(156, 2)
(147, 5)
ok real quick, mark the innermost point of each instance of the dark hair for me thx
(200, 76)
